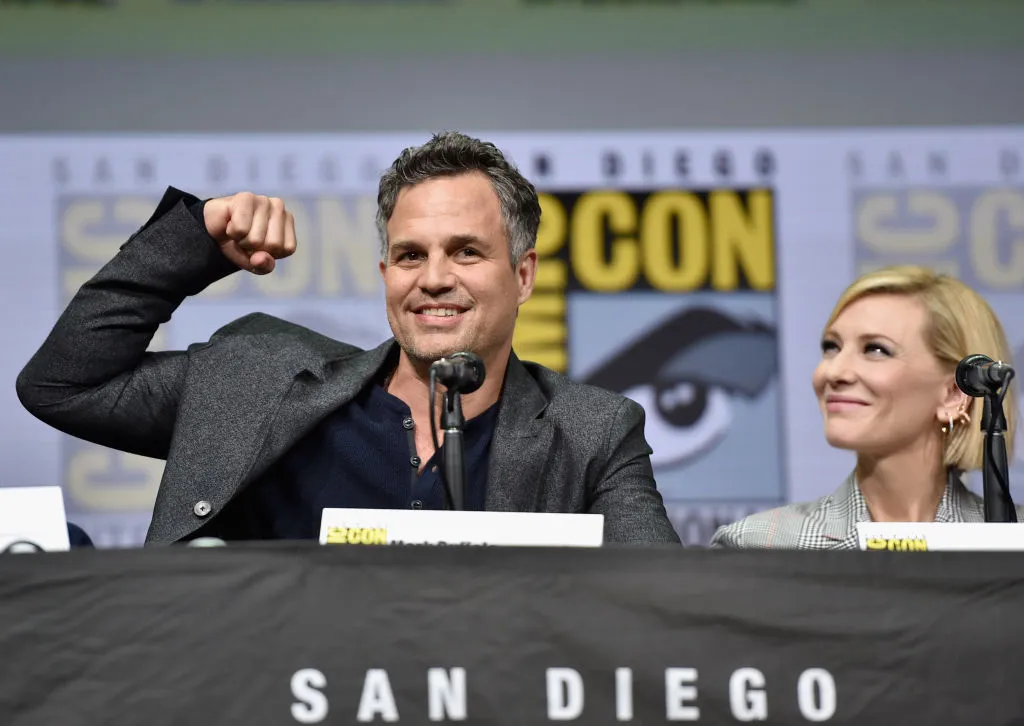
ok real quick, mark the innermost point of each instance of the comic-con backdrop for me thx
(691, 272)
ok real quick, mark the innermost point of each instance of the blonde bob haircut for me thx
(960, 323)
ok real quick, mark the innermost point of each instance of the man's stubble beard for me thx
(424, 356)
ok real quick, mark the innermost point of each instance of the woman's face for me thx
(879, 386)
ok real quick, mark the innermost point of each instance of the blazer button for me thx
(202, 508)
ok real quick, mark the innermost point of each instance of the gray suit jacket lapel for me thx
(520, 446)
(835, 520)
(314, 392)
(249, 425)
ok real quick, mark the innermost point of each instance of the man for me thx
(268, 422)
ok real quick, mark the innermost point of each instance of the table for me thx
(276, 633)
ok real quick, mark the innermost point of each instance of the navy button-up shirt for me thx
(361, 456)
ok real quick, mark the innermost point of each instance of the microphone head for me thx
(967, 374)
(473, 361)
(474, 371)
(463, 371)
(21, 546)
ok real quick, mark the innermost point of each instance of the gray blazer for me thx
(221, 412)
(830, 523)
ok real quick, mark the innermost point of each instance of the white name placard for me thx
(940, 536)
(443, 527)
(33, 516)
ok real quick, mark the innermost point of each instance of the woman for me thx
(886, 389)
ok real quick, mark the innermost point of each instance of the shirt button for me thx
(201, 509)
(408, 424)
(415, 461)
(417, 504)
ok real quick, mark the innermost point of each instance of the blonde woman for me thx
(886, 389)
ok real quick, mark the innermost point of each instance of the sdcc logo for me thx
(921, 208)
(357, 535)
(685, 373)
(668, 297)
(896, 544)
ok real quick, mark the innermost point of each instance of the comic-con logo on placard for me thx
(668, 297)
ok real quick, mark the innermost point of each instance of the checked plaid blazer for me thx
(830, 523)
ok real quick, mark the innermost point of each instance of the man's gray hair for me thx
(451, 154)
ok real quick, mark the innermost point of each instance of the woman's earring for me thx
(950, 429)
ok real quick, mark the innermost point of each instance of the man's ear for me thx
(526, 275)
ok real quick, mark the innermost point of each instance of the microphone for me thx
(978, 375)
(21, 546)
(462, 372)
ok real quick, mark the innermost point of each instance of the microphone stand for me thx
(452, 421)
(995, 470)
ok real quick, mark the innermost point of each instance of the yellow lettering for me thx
(896, 544)
(742, 240)
(541, 332)
(73, 279)
(91, 249)
(349, 241)
(553, 226)
(597, 216)
(875, 215)
(985, 253)
(536, 336)
(551, 275)
(102, 479)
(80, 219)
(656, 235)
(357, 535)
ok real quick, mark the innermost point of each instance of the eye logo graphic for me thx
(686, 373)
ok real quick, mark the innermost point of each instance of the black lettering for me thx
(611, 164)
(145, 170)
(371, 169)
(764, 163)
(937, 164)
(1009, 162)
(216, 169)
(895, 165)
(682, 164)
(61, 170)
(542, 165)
(102, 171)
(855, 164)
(722, 164)
(647, 164)
(288, 170)
(327, 169)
